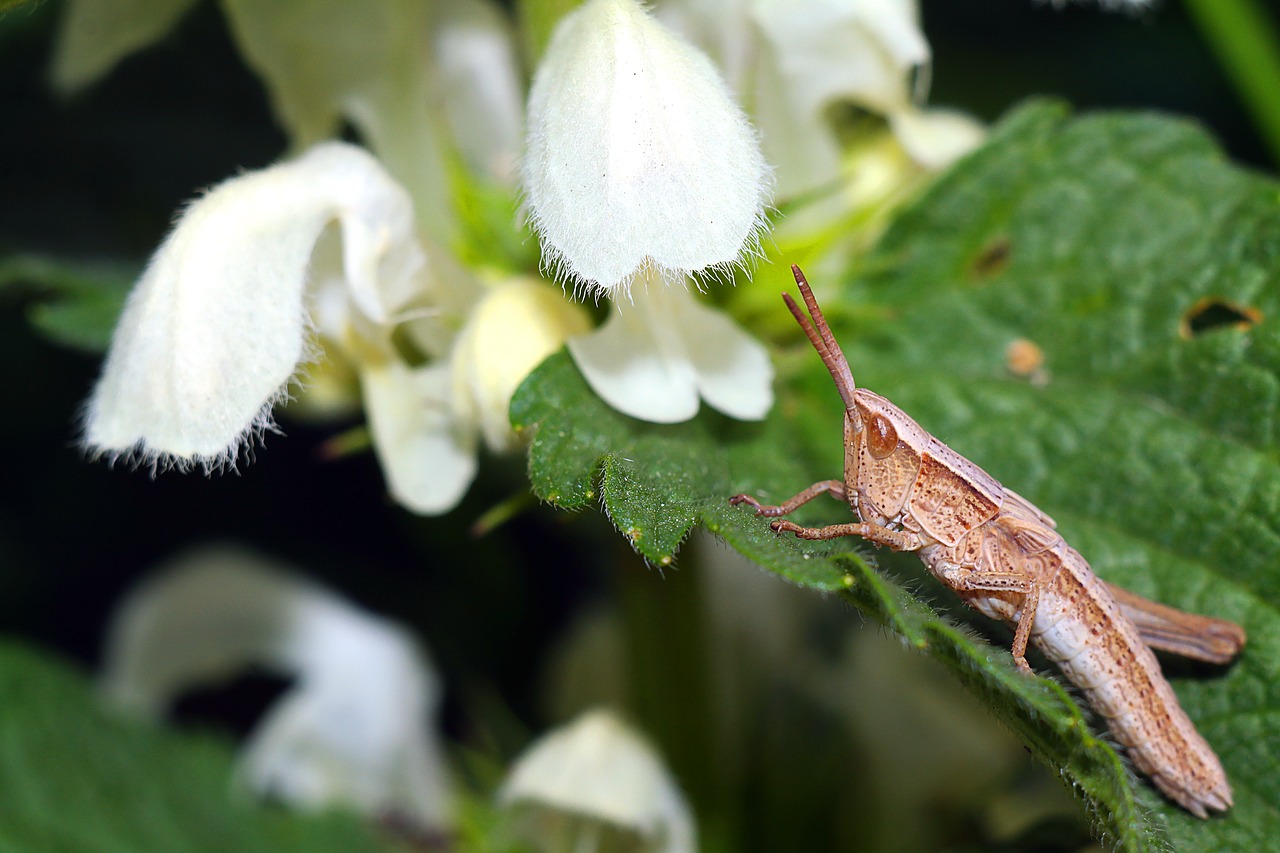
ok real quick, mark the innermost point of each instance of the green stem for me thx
(537, 21)
(1248, 46)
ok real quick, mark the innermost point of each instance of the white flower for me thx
(637, 155)
(661, 350)
(516, 326)
(792, 68)
(215, 329)
(224, 318)
(593, 777)
(402, 72)
(358, 726)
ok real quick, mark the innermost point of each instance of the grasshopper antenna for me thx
(819, 334)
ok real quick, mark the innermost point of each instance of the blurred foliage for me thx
(73, 305)
(74, 777)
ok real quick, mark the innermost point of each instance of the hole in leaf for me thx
(1213, 312)
(992, 260)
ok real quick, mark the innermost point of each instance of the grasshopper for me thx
(1005, 558)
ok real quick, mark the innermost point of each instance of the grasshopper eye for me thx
(882, 438)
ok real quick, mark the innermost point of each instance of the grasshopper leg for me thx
(835, 488)
(898, 540)
(970, 580)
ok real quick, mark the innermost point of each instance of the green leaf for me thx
(1150, 432)
(74, 777)
(75, 305)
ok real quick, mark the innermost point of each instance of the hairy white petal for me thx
(655, 355)
(427, 456)
(636, 152)
(599, 769)
(357, 728)
(96, 34)
(216, 327)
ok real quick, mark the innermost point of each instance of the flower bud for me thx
(511, 331)
(599, 772)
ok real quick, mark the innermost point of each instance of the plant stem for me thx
(1246, 42)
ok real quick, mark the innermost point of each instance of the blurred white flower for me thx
(791, 69)
(661, 350)
(480, 81)
(517, 324)
(216, 327)
(415, 79)
(596, 785)
(936, 138)
(637, 156)
(357, 728)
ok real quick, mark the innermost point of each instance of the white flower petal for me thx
(936, 138)
(96, 34)
(598, 768)
(216, 327)
(637, 364)
(636, 152)
(657, 353)
(733, 370)
(357, 727)
(800, 144)
(427, 456)
(354, 730)
(517, 325)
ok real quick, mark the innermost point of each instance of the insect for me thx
(1005, 558)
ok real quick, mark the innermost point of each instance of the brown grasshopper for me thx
(1004, 557)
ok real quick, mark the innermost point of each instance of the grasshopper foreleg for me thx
(835, 488)
(898, 540)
